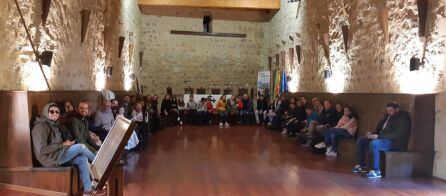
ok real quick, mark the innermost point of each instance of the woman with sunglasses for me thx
(54, 146)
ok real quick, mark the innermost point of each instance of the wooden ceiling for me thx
(236, 10)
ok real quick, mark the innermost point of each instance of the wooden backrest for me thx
(15, 139)
(371, 108)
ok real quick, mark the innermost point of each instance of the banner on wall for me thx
(263, 83)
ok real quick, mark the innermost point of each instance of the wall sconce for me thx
(293, 1)
(46, 57)
(327, 73)
(132, 76)
(108, 71)
(289, 78)
(291, 38)
(415, 63)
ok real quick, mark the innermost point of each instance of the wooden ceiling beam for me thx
(231, 4)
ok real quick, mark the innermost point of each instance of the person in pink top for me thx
(346, 128)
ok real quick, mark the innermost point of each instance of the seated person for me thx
(191, 107)
(391, 133)
(345, 128)
(325, 120)
(291, 121)
(103, 120)
(261, 110)
(311, 116)
(232, 109)
(169, 109)
(181, 109)
(54, 146)
(222, 111)
(210, 109)
(79, 128)
(203, 116)
(280, 112)
(272, 109)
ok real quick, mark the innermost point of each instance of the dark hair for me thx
(393, 105)
(353, 113)
(308, 107)
(329, 101)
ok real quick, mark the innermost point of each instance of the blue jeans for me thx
(78, 154)
(333, 134)
(223, 117)
(375, 146)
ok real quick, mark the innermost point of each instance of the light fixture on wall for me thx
(293, 1)
(327, 73)
(291, 38)
(46, 57)
(415, 63)
(108, 71)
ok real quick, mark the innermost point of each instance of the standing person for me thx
(245, 109)
(222, 110)
(79, 128)
(391, 133)
(346, 128)
(54, 146)
(154, 124)
(261, 110)
(191, 110)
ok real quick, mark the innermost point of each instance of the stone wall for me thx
(75, 65)
(374, 61)
(181, 61)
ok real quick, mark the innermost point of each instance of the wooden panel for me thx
(249, 15)
(423, 120)
(64, 179)
(408, 164)
(116, 182)
(15, 147)
(250, 4)
(37, 100)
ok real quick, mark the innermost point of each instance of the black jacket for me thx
(397, 130)
(262, 105)
(328, 117)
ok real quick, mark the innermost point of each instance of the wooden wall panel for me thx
(14, 136)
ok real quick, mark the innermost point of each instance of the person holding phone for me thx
(54, 146)
(78, 126)
(391, 133)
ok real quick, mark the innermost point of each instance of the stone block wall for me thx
(374, 61)
(181, 61)
(75, 65)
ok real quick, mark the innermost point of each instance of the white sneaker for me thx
(226, 124)
(221, 124)
(284, 132)
(329, 149)
(320, 145)
(331, 154)
(269, 124)
(181, 123)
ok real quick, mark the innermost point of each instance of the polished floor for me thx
(249, 160)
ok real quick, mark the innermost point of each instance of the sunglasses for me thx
(54, 111)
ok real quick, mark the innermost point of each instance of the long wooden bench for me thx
(17, 168)
(418, 160)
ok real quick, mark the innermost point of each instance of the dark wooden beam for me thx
(46, 4)
(208, 34)
(85, 18)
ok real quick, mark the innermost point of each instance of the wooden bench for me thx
(17, 170)
(418, 160)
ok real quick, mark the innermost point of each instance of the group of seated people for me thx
(64, 135)
(238, 109)
(320, 126)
